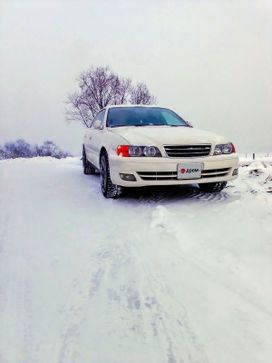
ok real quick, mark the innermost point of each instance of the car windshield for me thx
(143, 116)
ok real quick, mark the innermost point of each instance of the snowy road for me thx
(162, 277)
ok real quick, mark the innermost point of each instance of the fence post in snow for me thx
(253, 156)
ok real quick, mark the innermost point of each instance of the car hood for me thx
(163, 135)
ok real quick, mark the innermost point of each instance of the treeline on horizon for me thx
(22, 149)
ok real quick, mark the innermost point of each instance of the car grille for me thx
(172, 175)
(157, 175)
(187, 151)
(213, 173)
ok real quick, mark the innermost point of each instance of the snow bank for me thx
(257, 175)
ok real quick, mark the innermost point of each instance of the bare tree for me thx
(77, 110)
(141, 95)
(100, 87)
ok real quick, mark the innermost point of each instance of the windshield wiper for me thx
(140, 125)
(178, 125)
(161, 125)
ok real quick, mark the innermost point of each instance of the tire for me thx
(109, 190)
(88, 168)
(212, 187)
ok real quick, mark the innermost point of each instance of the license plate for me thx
(189, 170)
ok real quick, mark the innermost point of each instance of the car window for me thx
(170, 118)
(99, 117)
(143, 116)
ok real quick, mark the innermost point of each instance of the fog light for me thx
(235, 171)
(127, 177)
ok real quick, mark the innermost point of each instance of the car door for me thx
(88, 143)
(93, 139)
(90, 139)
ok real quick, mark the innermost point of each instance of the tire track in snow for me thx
(176, 339)
(104, 262)
(106, 259)
(84, 290)
(163, 219)
(205, 270)
(173, 331)
(138, 297)
(14, 289)
(173, 334)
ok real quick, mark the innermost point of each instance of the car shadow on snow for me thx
(154, 194)
(174, 192)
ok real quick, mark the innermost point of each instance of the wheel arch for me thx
(102, 151)
(83, 151)
(84, 154)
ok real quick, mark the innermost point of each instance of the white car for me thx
(136, 146)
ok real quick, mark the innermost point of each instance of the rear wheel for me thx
(109, 190)
(88, 168)
(212, 187)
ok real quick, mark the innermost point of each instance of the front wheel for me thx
(212, 187)
(109, 190)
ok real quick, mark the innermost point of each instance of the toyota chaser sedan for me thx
(136, 146)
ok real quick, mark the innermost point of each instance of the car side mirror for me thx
(189, 124)
(97, 124)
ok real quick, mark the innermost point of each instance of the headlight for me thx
(224, 149)
(138, 151)
(151, 151)
(135, 151)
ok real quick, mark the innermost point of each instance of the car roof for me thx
(131, 106)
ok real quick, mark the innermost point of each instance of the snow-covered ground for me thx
(162, 276)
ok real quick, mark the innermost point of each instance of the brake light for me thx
(122, 150)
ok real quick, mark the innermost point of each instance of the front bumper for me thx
(163, 171)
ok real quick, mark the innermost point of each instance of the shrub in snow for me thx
(2, 153)
(21, 149)
(49, 148)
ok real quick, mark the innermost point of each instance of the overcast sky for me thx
(210, 60)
